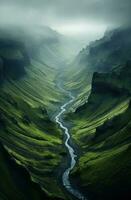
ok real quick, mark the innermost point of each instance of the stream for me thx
(66, 175)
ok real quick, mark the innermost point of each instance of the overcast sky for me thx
(70, 17)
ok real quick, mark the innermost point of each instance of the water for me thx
(73, 156)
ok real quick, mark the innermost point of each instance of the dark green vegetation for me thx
(102, 129)
(16, 182)
(28, 94)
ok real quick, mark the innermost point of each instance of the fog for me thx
(82, 20)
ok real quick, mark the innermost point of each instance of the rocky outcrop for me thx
(117, 82)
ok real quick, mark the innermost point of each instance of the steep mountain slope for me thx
(16, 183)
(102, 130)
(102, 56)
(28, 92)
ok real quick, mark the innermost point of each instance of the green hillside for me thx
(101, 128)
(27, 133)
(16, 182)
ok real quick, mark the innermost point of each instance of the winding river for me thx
(72, 154)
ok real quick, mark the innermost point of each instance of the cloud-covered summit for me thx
(89, 17)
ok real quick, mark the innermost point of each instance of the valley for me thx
(65, 128)
(72, 155)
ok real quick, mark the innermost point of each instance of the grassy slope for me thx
(38, 87)
(16, 182)
(104, 166)
(26, 131)
(101, 55)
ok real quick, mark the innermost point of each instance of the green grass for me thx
(86, 120)
(38, 87)
(104, 165)
(27, 133)
(16, 182)
(101, 128)
(107, 173)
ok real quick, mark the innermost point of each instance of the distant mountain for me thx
(103, 55)
(42, 42)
